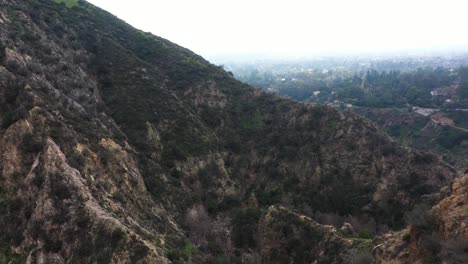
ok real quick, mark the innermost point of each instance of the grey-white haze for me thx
(299, 27)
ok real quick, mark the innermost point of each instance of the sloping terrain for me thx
(121, 147)
(436, 133)
(436, 235)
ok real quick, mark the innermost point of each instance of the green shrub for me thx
(2, 52)
(229, 202)
(267, 198)
(38, 180)
(188, 251)
(60, 189)
(245, 227)
(457, 250)
(76, 160)
(363, 258)
(222, 259)
(53, 245)
(183, 254)
(407, 237)
(117, 235)
(105, 155)
(7, 120)
(365, 234)
(32, 143)
(421, 217)
(430, 259)
(7, 256)
(67, 3)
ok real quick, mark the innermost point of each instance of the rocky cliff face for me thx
(453, 211)
(437, 235)
(121, 147)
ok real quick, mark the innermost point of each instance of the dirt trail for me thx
(456, 127)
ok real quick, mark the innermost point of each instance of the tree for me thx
(463, 89)
(199, 224)
(2, 52)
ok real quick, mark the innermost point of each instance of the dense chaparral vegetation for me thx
(118, 146)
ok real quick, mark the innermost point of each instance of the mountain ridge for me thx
(121, 147)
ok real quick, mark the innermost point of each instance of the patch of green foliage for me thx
(245, 226)
(2, 52)
(459, 117)
(365, 234)
(7, 256)
(252, 123)
(421, 217)
(67, 3)
(383, 88)
(184, 254)
(430, 259)
(188, 251)
(451, 138)
(267, 198)
(364, 257)
(299, 237)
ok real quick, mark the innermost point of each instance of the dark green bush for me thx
(421, 217)
(52, 245)
(38, 180)
(139, 251)
(105, 155)
(7, 256)
(245, 227)
(363, 258)
(32, 143)
(456, 250)
(365, 234)
(7, 120)
(117, 235)
(60, 189)
(76, 160)
(2, 52)
(267, 198)
(229, 202)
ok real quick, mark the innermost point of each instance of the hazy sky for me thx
(211, 27)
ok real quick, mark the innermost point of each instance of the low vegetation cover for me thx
(118, 145)
(415, 100)
(68, 3)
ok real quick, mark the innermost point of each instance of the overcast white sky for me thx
(212, 27)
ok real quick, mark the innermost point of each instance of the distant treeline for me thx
(423, 87)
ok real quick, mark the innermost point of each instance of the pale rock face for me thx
(453, 211)
(51, 165)
(450, 230)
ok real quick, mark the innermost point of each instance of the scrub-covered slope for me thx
(119, 146)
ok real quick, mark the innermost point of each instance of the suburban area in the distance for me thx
(420, 100)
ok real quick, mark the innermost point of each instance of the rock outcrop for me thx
(441, 238)
(286, 237)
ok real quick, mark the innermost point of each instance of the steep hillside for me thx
(441, 133)
(121, 147)
(436, 235)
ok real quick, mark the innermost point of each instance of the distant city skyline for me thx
(217, 28)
